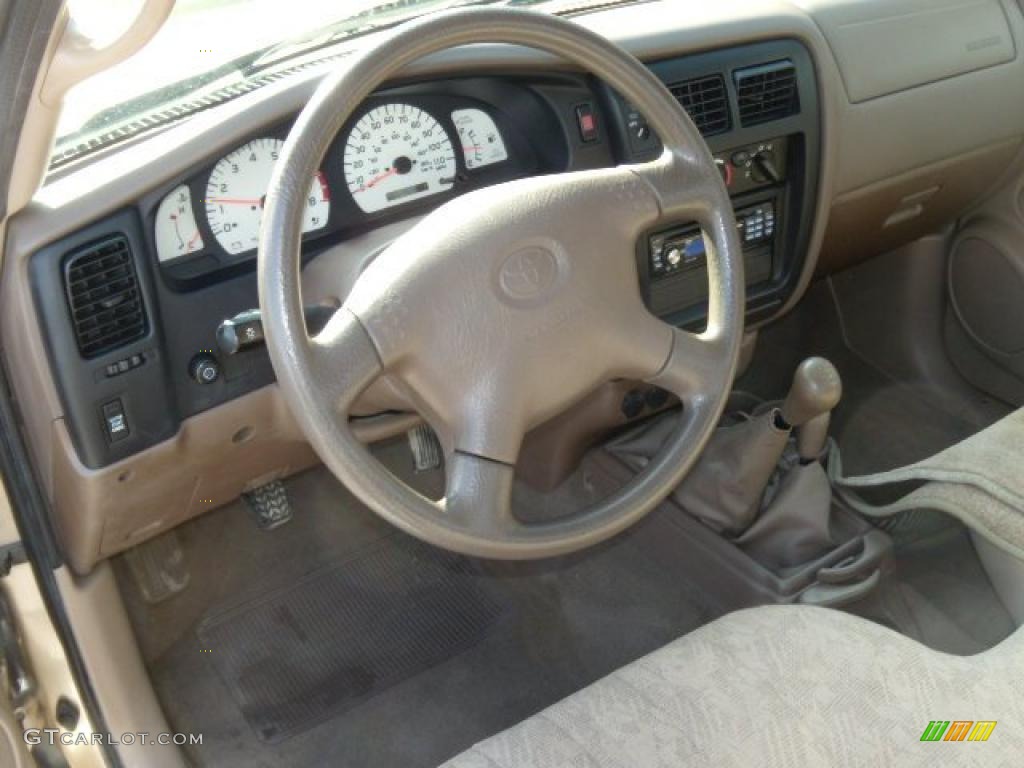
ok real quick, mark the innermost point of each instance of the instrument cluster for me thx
(393, 155)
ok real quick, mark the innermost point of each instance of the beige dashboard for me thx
(906, 148)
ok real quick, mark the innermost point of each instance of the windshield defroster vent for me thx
(104, 297)
(705, 102)
(767, 92)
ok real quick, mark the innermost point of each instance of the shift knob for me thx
(815, 390)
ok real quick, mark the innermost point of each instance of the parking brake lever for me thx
(245, 330)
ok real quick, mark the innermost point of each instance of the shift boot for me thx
(725, 486)
(794, 527)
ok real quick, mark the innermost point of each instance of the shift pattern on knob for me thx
(816, 389)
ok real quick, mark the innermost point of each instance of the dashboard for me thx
(157, 317)
(411, 149)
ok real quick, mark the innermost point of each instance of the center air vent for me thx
(104, 298)
(767, 92)
(705, 102)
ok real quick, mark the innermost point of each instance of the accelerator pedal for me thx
(269, 505)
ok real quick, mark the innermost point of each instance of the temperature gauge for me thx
(176, 230)
(481, 142)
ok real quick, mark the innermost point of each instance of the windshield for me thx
(212, 44)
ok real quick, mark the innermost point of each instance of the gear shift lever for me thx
(815, 391)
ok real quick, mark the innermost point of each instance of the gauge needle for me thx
(181, 240)
(234, 200)
(378, 179)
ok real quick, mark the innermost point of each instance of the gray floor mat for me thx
(314, 649)
(568, 622)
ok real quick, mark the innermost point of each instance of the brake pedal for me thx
(425, 447)
(269, 505)
(158, 567)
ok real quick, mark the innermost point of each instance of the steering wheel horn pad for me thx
(505, 305)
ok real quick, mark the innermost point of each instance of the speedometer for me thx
(397, 153)
(237, 190)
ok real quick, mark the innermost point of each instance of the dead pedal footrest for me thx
(269, 505)
(158, 567)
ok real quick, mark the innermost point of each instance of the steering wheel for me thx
(506, 305)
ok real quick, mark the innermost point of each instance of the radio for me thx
(683, 248)
(677, 258)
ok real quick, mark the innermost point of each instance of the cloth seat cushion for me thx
(778, 686)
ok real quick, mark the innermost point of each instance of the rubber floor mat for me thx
(317, 648)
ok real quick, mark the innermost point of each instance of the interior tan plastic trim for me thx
(76, 58)
(70, 58)
(50, 668)
(216, 456)
(887, 46)
(110, 654)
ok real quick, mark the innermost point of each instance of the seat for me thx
(778, 686)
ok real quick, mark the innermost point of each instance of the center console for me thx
(757, 108)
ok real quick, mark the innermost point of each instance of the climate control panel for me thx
(753, 166)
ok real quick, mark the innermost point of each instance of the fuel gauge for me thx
(176, 230)
(481, 142)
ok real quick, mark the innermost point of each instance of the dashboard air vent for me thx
(104, 298)
(767, 92)
(705, 102)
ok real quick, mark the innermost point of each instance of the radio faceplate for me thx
(683, 248)
(677, 265)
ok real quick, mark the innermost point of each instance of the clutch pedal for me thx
(269, 505)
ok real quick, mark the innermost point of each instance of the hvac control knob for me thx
(725, 170)
(763, 169)
(204, 369)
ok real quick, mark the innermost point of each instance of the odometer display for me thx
(397, 153)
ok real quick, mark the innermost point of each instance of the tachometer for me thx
(237, 190)
(481, 141)
(397, 153)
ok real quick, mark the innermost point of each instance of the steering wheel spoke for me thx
(682, 186)
(343, 360)
(693, 364)
(478, 498)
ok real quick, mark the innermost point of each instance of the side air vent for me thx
(104, 297)
(767, 92)
(705, 102)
